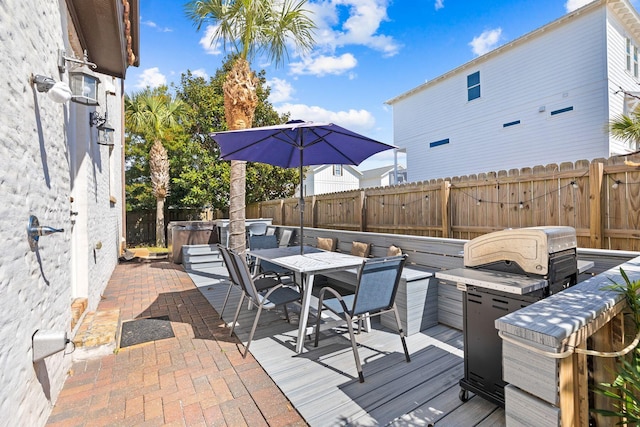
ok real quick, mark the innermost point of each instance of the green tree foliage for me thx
(198, 177)
(203, 180)
(627, 128)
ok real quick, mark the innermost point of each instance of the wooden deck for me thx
(322, 382)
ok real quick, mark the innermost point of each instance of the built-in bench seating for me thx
(422, 299)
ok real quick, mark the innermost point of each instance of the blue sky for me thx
(367, 52)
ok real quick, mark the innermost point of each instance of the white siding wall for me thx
(322, 181)
(37, 177)
(619, 77)
(557, 69)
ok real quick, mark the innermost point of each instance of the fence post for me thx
(363, 211)
(283, 219)
(596, 220)
(314, 213)
(445, 197)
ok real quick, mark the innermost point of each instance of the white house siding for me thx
(37, 178)
(558, 68)
(619, 77)
(321, 180)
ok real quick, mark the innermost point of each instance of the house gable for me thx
(543, 98)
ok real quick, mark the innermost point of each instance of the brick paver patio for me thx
(198, 378)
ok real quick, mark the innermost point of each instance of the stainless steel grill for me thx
(505, 271)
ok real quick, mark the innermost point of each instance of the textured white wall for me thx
(36, 179)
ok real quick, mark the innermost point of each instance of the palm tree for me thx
(248, 28)
(152, 114)
(627, 128)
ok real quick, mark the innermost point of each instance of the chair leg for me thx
(235, 318)
(318, 318)
(354, 346)
(253, 330)
(404, 342)
(286, 312)
(226, 299)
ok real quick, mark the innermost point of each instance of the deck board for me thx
(322, 382)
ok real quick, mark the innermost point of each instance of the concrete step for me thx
(199, 249)
(97, 335)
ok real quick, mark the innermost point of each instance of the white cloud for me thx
(485, 41)
(356, 120)
(154, 25)
(200, 72)
(323, 65)
(572, 5)
(360, 28)
(151, 77)
(439, 4)
(281, 90)
(205, 41)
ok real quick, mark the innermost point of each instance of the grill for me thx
(505, 271)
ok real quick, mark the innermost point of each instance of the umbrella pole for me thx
(301, 206)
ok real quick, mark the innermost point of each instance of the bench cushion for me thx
(327, 243)
(361, 249)
(394, 251)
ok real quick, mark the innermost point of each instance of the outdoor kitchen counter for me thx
(499, 281)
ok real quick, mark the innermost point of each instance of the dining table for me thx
(311, 262)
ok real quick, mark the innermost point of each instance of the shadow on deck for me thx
(322, 382)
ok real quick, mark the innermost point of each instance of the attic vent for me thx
(562, 110)
(506, 125)
(437, 143)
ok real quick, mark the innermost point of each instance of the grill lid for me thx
(528, 247)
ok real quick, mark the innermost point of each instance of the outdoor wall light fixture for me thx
(84, 85)
(35, 230)
(103, 125)
(57, 91)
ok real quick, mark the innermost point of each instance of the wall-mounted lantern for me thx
(104, 127)
(84, 85)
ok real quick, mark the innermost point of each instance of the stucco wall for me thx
(37, 178)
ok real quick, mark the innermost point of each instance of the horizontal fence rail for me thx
(600, 199)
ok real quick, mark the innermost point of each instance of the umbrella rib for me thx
(321, 138)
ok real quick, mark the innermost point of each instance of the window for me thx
(438, 143)
(473, 86)
(337, 170)
(635, 61)
(628, 54)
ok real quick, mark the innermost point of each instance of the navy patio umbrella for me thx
(297, 144)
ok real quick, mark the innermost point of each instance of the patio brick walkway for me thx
(198, 378)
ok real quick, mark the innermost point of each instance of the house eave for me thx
(109, 30)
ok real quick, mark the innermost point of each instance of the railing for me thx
(553, 352)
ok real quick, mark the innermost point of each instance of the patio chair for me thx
(375, 293)
(262, 282)
(257, 229)
(279, 295)
(285, 238)
(266, 242)
(270, 230)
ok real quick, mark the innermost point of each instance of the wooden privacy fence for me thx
(600, 199)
